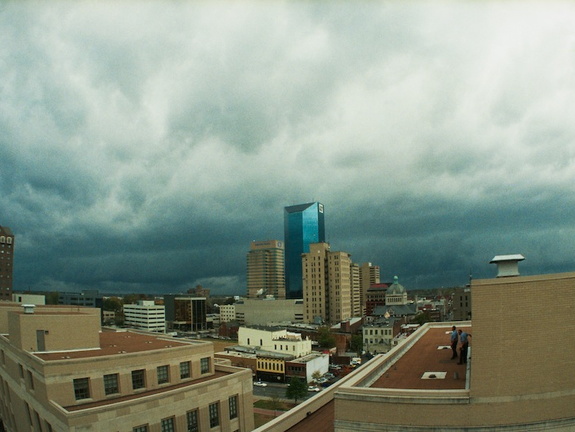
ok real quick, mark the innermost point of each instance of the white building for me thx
(227, 313)
(35, 299)
(274, 340)
(378, 336)
(145, 315)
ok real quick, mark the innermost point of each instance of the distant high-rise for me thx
(6, 262)
(266, 272)
(303, 224)
(368, 276)
(327, 284)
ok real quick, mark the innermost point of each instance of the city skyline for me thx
(145, 145)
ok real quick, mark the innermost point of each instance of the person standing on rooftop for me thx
(464, 339)
(454, 342)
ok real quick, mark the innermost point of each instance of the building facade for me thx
(327, 279)
(368, 275)
(303, 224)
(60, 372)
(266, 269)
(185, 312)
(268, 311)
(355, 291)
(145, 315)
(6, 263)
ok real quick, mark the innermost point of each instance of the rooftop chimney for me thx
(28, 308)
(507, 265)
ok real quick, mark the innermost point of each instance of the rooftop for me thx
(430, 353)
(112, 343)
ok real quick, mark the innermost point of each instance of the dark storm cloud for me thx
(143, 146)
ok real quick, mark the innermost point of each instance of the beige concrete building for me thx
(266, 269)
(368, 275)
(355, 300)
(268, 311)
(518, 376)
(6, 262)
(59, 372)
(326, 284)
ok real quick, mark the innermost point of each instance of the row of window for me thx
(192, 418)
(111, 381)
(4, 239)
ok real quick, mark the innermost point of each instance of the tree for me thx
(356, 344)
(325, 338)
(297, 389)
(112, 304)
(52, 298)
(316, 375)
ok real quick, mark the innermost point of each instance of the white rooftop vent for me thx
(28, 308)
(507, 265)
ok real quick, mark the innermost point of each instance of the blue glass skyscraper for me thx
(303, 224)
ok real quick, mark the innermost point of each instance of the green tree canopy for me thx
(325, 338)
(297, 389)
(112, 304)
(356, 344)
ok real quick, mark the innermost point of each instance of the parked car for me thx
(260, 383)
(313, 389)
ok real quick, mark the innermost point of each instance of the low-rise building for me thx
(60, 372)
(227, 313)
(28, 298)
(275, 340)
(145, 315)
(265, 311)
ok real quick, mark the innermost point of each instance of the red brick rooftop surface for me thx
(423, 357)
(322, 420)
(115, 342)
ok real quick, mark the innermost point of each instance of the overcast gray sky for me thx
(143, 145)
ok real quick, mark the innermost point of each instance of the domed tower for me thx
(396, 293)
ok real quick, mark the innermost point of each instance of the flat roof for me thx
(431, 353)
(122, 342)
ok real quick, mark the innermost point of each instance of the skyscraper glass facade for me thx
(303, 224)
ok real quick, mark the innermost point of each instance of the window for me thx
(168, 424)
(82, 388)
(192, 418)
(111, 384)
(142, 428)
(30, 380)
(163, 374)
(138, 379)
(214, 414)
(233, 401)
(184, 369)
(205, 365)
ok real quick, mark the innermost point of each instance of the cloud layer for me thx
(143, 145)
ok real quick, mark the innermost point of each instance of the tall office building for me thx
(6, 261)
(356, 305)
(303, 224)
(368, 276)
(327, 284)
(266, 271)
